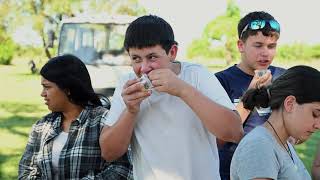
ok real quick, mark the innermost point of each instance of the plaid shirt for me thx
(81, 155)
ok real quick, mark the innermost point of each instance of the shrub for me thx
(203, 49)
(298, 51)
(7, 49)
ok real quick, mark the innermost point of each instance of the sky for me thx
(298, 18)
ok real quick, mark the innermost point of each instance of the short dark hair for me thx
(303, 82)
(148, 31)
(71, 75)
(256, 15)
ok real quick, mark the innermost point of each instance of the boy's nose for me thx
(145, 68)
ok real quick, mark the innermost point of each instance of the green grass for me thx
(21, 105)
(307, 150)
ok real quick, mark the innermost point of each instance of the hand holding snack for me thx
(146, 82)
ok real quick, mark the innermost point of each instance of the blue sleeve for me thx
(276, 72)
(224, 82)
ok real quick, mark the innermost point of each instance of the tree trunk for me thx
(228, 50)
(46, 49)
(228, 56)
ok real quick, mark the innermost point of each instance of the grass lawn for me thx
(21, 105)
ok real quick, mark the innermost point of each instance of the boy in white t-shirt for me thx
(172, 127)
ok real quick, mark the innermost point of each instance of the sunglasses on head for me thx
(260, 24)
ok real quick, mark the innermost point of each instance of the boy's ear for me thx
(240, 45)
(173, 52)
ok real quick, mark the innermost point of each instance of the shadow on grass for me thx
(19, 117)
(9, 160)
(12, 122)
(29, 74)
(15, 107)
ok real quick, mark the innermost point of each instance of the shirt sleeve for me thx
(255, 159)
(120, 169)
(28, 168)
(210, 86)
(117, 104)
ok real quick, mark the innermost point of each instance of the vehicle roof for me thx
(100, 19)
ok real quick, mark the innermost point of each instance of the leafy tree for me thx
(49, 12)
(44, 12)
(222, 29)
(124, 7)
(7, 46)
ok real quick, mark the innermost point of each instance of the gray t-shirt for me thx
(260, 156)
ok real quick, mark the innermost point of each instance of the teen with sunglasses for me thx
(258, 35)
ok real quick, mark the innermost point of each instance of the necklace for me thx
(288, 150)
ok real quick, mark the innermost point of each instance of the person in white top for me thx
(171, 123)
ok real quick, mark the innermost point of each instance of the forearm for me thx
(115, 140)
(115, 170)
(219, 120)
(28, 169)
(28, 173)
(243, 112)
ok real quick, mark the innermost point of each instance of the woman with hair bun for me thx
(265, 153)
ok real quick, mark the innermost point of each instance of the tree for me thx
(44, 12)
(7, 46)
(124, 7)
(223, 29)
(47, 12)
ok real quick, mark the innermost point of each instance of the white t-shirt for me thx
(169, 140)
(57, 147)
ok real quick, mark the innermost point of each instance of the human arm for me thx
(115, 139)
(219, 120)
(120, 169)
(315, 171)
(256, 82)
(28, 168)
(225, 125)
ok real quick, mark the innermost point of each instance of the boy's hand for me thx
(133, 94)
(259, 81)
(165, 80)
